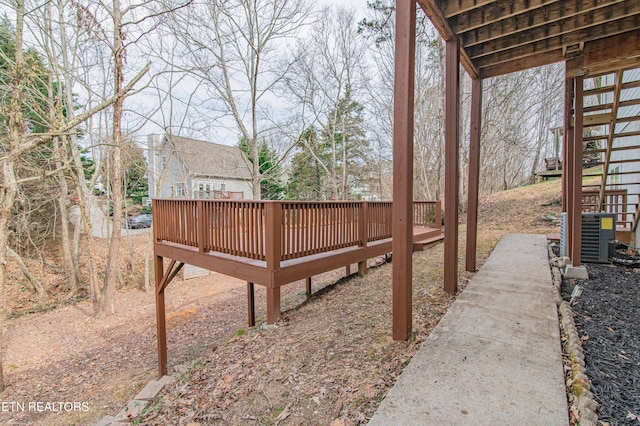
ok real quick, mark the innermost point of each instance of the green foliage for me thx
(35, 77)
(88, 165)
(271, 185)
(378, 28)
(136, 184)
(341, 148)
(306, 179)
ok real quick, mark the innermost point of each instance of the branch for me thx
(43, 138)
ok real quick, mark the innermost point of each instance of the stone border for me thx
(581, 399)
(137, 405)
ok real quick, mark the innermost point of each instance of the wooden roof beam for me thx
(439, 21)
(519, 64)
(546, 15)
(494, 12)
(573, 30)
(607, 54)
(621, 26)
(456, 7)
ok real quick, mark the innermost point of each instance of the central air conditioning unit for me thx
(598, 236)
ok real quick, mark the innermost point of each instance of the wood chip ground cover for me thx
(607, 316)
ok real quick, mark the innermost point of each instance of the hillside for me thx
(331, 359)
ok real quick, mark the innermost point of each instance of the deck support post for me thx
(474, 173)
(273, 304)
(347, 270)
(452, 165)
(161, 325)
(251, 305)
(362, 268)
(403, 122)
(576, 222)
(308, 282)
(568, 157)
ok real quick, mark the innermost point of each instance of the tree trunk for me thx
(79, 181)
(106, 304)
(16, 129)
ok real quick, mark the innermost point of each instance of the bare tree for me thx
(231, 48)
(328, 80)
(19, 140)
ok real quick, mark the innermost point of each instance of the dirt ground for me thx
(330, 360)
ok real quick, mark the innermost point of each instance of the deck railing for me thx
(615, 201)
(291, 229)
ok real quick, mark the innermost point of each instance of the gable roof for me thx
(210, 159)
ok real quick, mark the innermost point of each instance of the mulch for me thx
(607, 316)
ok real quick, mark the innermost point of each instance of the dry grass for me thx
(330, 360)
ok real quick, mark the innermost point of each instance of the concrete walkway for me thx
(495, 357)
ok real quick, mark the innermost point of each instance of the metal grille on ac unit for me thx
(598, 233)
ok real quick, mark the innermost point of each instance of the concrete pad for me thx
(576, 272)
(495, 357)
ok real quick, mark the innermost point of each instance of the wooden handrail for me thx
(276, 231)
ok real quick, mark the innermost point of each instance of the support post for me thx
(474, 173)
(362, 268)
(403, 121)
(576, 238)
(347, 270)
(452, 164)
(568, 168)
(251, 304)
(439, 215)
(161, 325)
(308, 288)
(273, 304)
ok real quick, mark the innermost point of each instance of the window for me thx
(223, 187)
(163, 162)
(179, 190)
(614, 178)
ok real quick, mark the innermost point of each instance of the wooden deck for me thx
(274, 243)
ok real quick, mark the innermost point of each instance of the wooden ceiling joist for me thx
(549, 15)
(452, 8)
(539, 59)
(585, 35)
(582, 27)
(494, 12)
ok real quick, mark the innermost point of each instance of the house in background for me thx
(182, 167)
